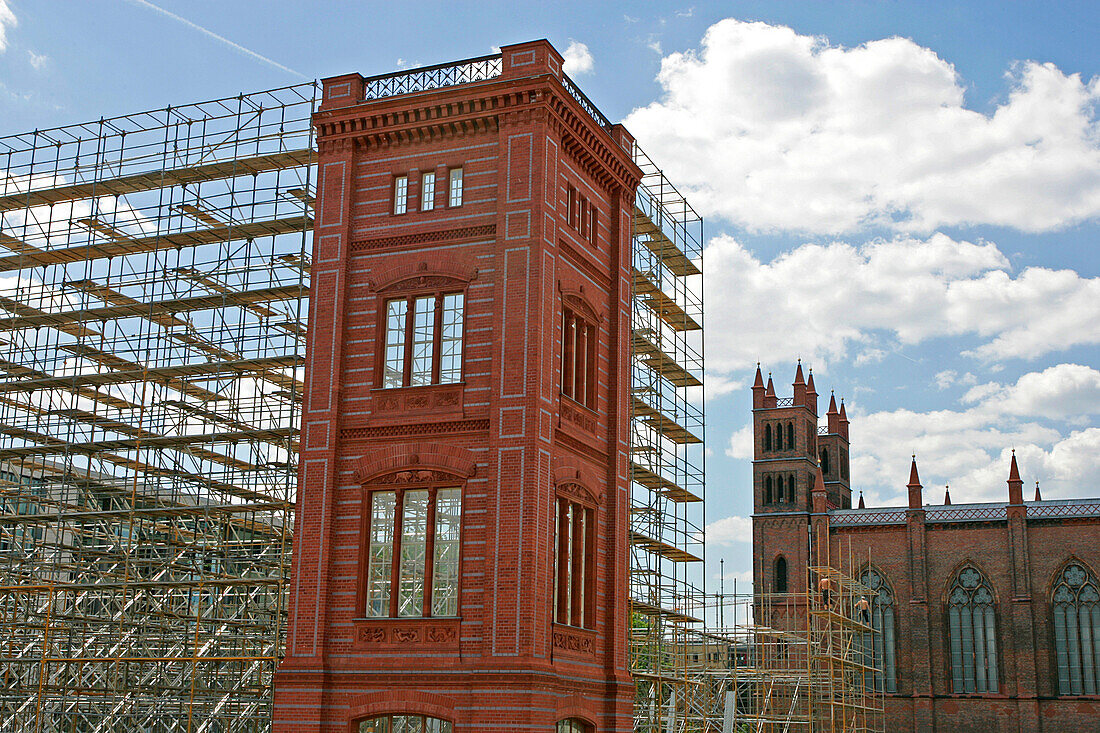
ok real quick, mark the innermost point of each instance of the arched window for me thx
(767, 437)
(1077, 631)
(768, 490)
(878, 613)
(790, 488)
(572, 725)
(973, 629)
(405, 724)
(790, 436)
(825, 461)
(780, 575)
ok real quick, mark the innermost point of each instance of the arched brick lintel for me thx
(448, 266)
(384, 460)
(577, 708)
(397, 702)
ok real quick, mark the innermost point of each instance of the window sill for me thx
(573, 641)
(575, 416)
(429, 402)
(434, 632)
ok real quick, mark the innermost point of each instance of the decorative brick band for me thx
(484, 231)
(396, 431)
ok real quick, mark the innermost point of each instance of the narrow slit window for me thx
(423, 341)
(454, 190)
(396, 311)
(380, 553)
(427, 191)
(400, 194)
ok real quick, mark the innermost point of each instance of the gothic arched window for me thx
(1076, 605)
(790, 488)
(780, 575)
(973, 630)
(825, 461)
(768, 490)
(878, 613)
(767, 437)
(790, 436)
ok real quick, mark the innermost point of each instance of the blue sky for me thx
(904, 194)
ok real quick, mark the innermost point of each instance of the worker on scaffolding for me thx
(863, 611)
(825, 588)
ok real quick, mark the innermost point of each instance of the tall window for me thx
(768, 489)
(574, 571)
(405, 724)
(400, 194)
(790, 436)
(825, 461)
(578, 358)
(779, 577)
(973, 629)
(412, 553)
(423, 340)
(1077, 631)
(454, 188)
(427, 191)
(878, 613)
(768, 437)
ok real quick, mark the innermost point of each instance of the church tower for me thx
(460, 558)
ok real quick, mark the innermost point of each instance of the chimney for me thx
(916, 498)
(758, 389)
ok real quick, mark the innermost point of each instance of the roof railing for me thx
(439, 76)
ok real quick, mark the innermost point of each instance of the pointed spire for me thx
(861, 504)
(799, 386)
(832, 404)
(818, 496)
(832, 417)
(947, 495)
(811, 393)
(810, 383)
(842, 421)
(916, 495)
(1038, 496)
(914, 478)
(758, 389)
(798, 379)
(769, 393)
(1015, 485)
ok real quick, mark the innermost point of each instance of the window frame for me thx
(455, 194)
(570, 607)
(407, 344)
(776, 575)
(400, 190)
(570, 360)
(399, 488)
(889, 646)
(1063, 674)
(387, 719)
(427, 190)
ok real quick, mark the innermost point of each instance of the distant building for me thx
(989, 613)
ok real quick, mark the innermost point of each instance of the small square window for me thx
(454, 191)
(400, 194)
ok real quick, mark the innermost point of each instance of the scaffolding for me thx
(782, 662)
(666, 450)
(153, 298)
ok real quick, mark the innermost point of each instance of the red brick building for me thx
(989, 613)
(461, 559)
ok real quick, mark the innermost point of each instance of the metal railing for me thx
(425, 78)
(585, 103)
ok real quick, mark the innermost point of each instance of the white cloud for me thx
(827, 301)
(729, 530)
(578, 59)
(774, 130)
(7, 20)
(38, 61)
(970, 448)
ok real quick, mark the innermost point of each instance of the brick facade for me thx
(1020, 547)
(505, 434)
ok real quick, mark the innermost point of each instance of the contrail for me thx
(216, 37)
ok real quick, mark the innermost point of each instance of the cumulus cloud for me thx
(7, 20)
(729, 531)
(774, 130)
(578, 59)
(829, 301)
(971, 447)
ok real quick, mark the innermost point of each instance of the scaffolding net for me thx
(153, 297)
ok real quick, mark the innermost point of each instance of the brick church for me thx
(988, 613)
(461, 549)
